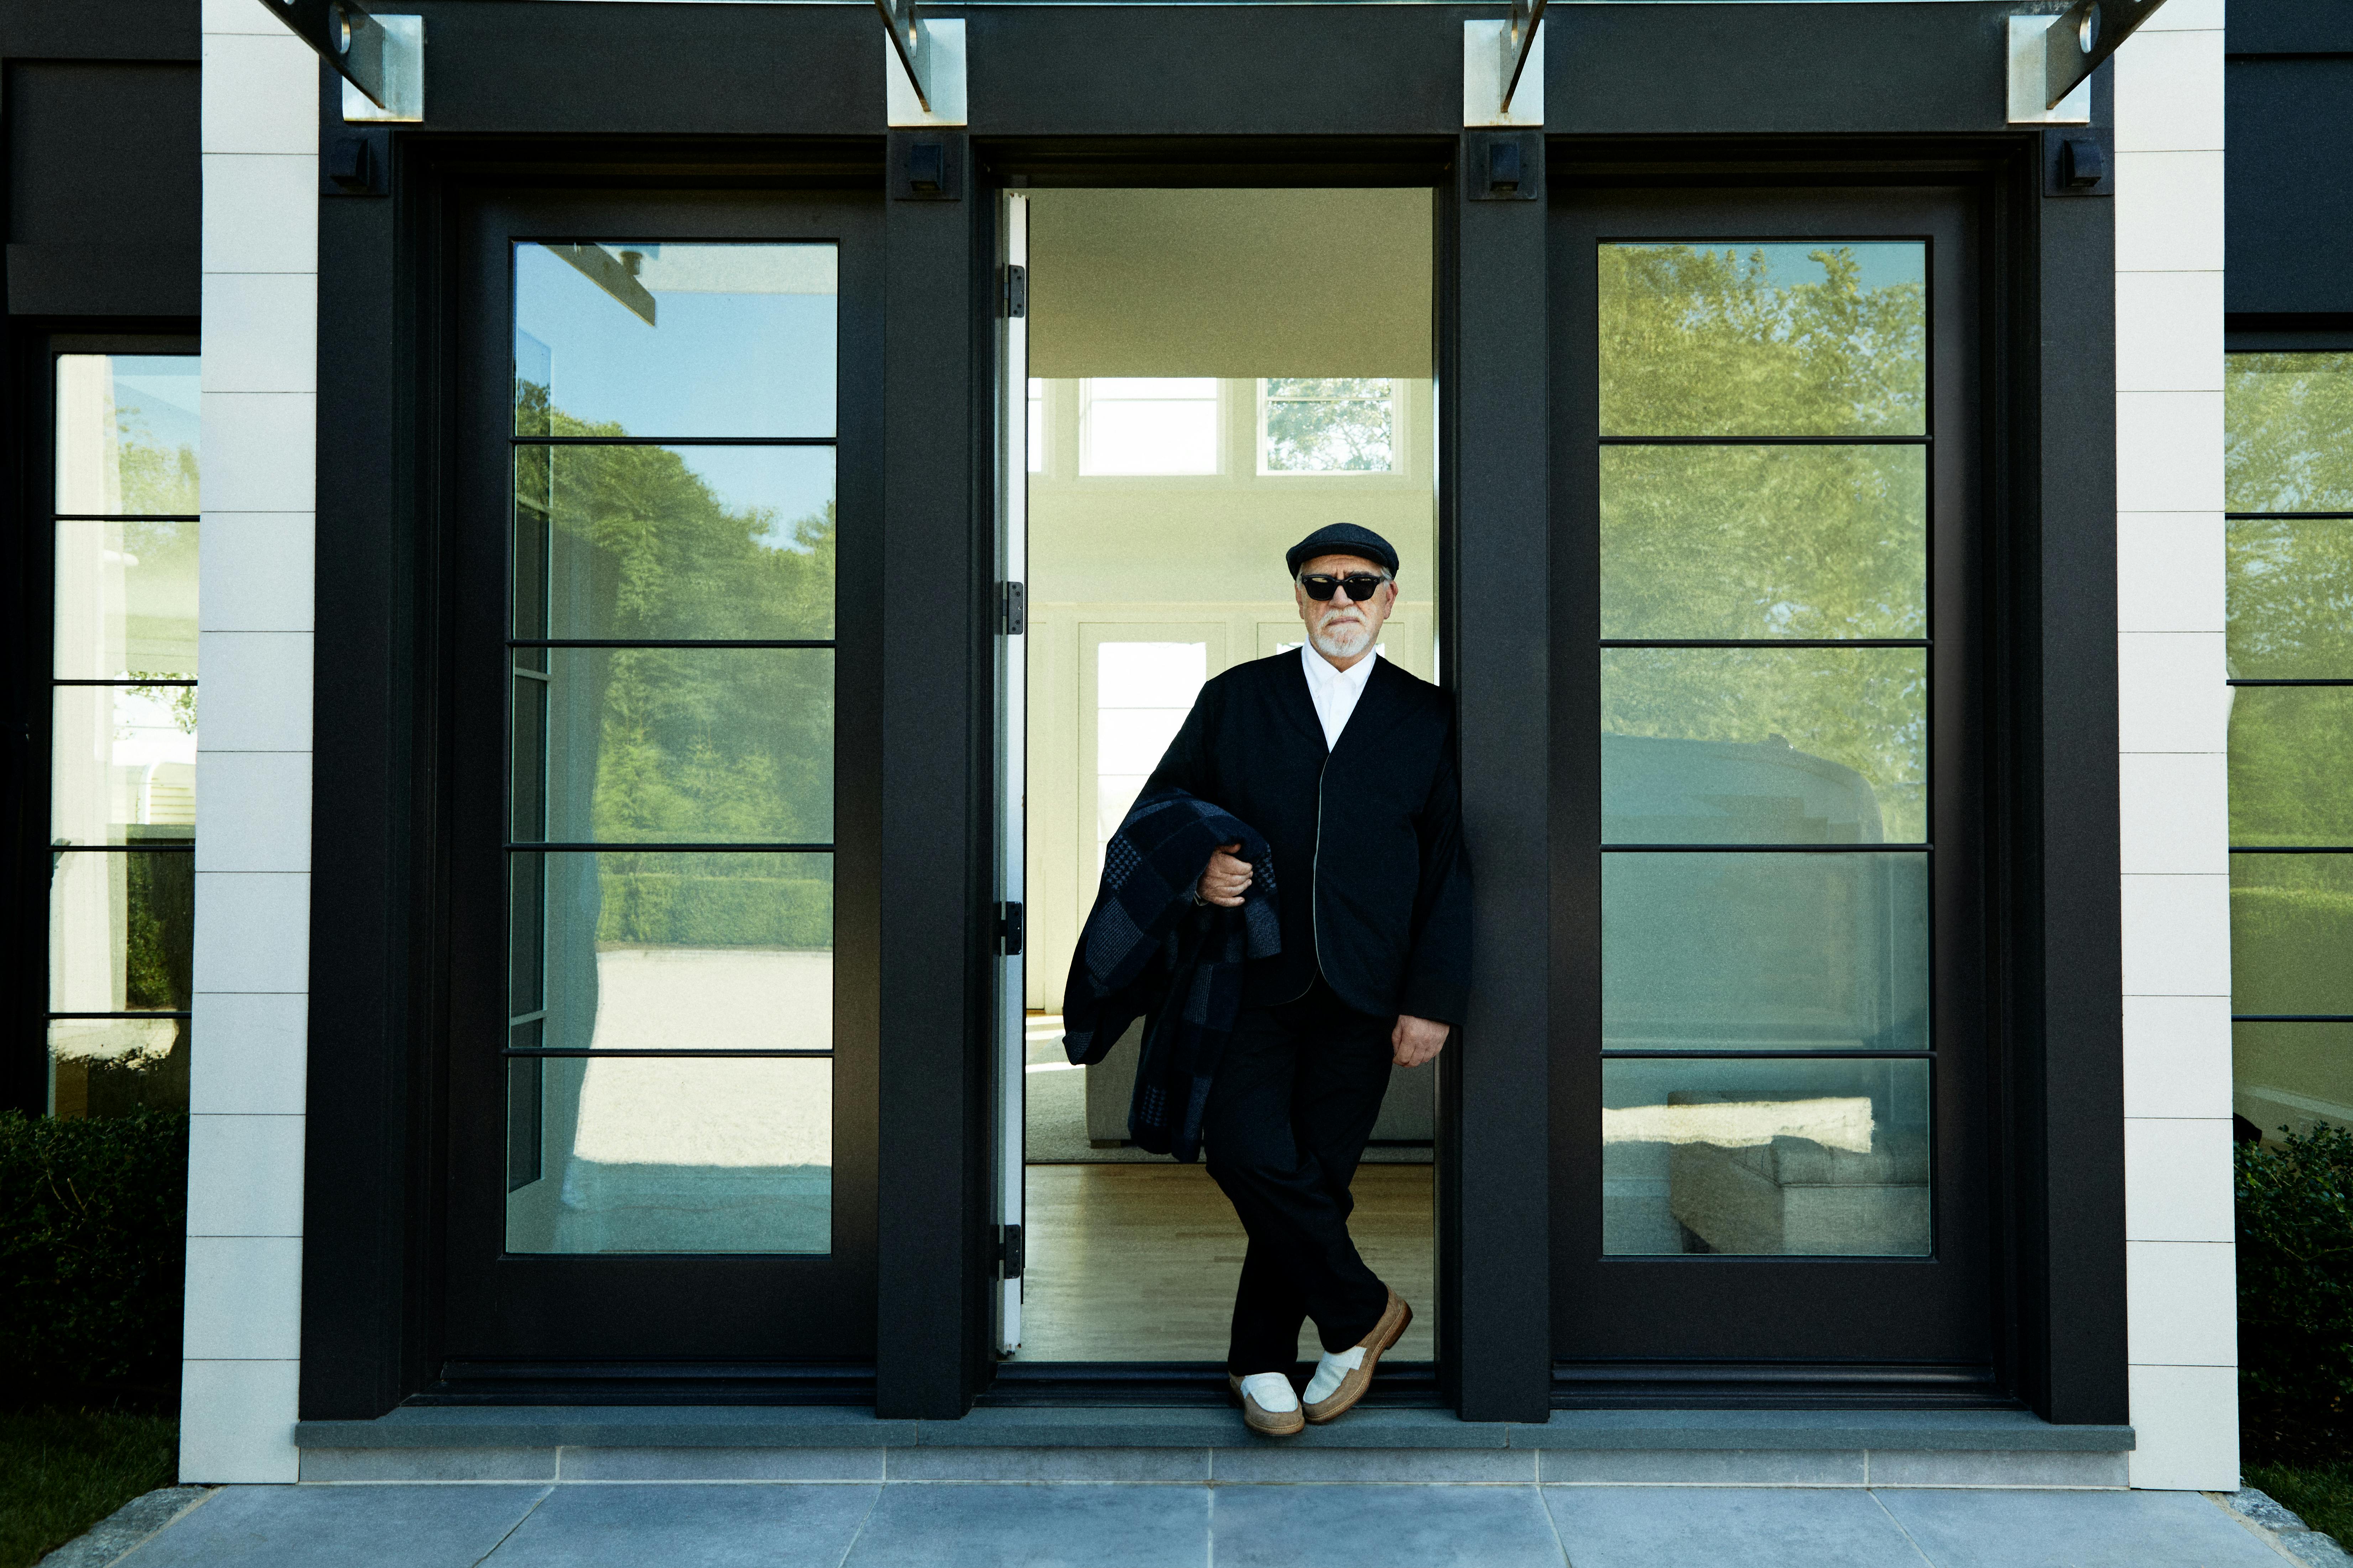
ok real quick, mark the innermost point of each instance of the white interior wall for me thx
(2181, 1297)
(253, 761)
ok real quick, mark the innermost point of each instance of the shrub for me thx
(93, 1220)
(2295, 1296)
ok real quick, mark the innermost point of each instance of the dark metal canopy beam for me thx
(1519, 37)
(350, 40)
(2087, 34)
(912, 40)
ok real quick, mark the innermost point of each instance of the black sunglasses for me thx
(1360, 586)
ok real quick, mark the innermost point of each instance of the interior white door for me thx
(1013, 416)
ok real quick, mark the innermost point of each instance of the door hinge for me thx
(1016, 291)
(1008, 930)
(1008, 1249)
(1012, 609)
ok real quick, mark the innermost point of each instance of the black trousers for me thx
(1295, 1098)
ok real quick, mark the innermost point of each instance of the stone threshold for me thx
(1081, 1426)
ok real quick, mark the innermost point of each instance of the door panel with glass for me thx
(661, 1086)
(1771, 1059)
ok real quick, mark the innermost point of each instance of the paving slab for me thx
(347, 1527)
(982, 1525)
(1966, 1528)
(1362, 1526)
(690, 1527)
(1726, 1527)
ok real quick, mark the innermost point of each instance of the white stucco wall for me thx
(2181, 1301)
(253, 760)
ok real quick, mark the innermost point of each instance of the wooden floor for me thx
(1138, 1262)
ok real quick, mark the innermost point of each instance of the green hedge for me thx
(2295, 1297)
(93, 1222)
(668, 908)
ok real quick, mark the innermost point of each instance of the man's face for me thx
(1339, 626)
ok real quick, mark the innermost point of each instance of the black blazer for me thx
(1368, 838)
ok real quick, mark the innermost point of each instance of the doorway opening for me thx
(1212, 375)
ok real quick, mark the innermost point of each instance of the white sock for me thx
(1331, 1371)
(1271, 1390)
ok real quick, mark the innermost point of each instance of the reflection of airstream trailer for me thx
(1755, 948)
(1763, 948)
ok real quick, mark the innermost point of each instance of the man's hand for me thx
(1415, 1040)
(1226, 880)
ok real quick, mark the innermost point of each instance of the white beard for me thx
(1344, 641)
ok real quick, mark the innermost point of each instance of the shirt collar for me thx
(1321, 672)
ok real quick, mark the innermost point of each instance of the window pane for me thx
(1327, 425)
(1763, 542)
(1143, 692)
(2291, 597)
(1744, 338)
(126, 599)
(639, 338)
(1764, 745)
(674, 542)
(2289, 442)
(2292, 765)
(1741, 950)
(121, 930)
(654, 745)
(113, 1067)
(2293, 1075)
(1149, 424)
(685, 1155)
(1819, 1158)
(2292, 933)
(128, 435)
(122, 764)
(675, 952)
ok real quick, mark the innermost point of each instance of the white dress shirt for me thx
(1335, 690)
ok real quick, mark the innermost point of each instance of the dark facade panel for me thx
(105, 188)
(1809, 70)
(2288, 181)
(521, 66)
(2289, 28)
(101, 29)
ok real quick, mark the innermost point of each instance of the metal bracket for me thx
(364, 50)
(911, 41)
(2051, 58)
(1519, 41)
(1504, 68)
(924, 67)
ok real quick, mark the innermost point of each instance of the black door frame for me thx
(666, 96)
(1924, 1326)
(502, 1307)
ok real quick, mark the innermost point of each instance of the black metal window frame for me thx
(24, 1080)
(2282, 343)
(1926, 441)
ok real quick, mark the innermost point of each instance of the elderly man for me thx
(1345, 765)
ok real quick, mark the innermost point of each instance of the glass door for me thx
(1773, 1078)
(662, 1093)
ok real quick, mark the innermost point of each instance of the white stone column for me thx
(2182, 1296)
(253, 764)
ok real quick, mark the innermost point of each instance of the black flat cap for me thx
(1343, 539)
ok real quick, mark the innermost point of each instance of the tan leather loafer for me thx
(1267, 1423)
(1384, 1334)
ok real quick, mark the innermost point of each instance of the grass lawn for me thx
(2321, 1494)
(62, 1471)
